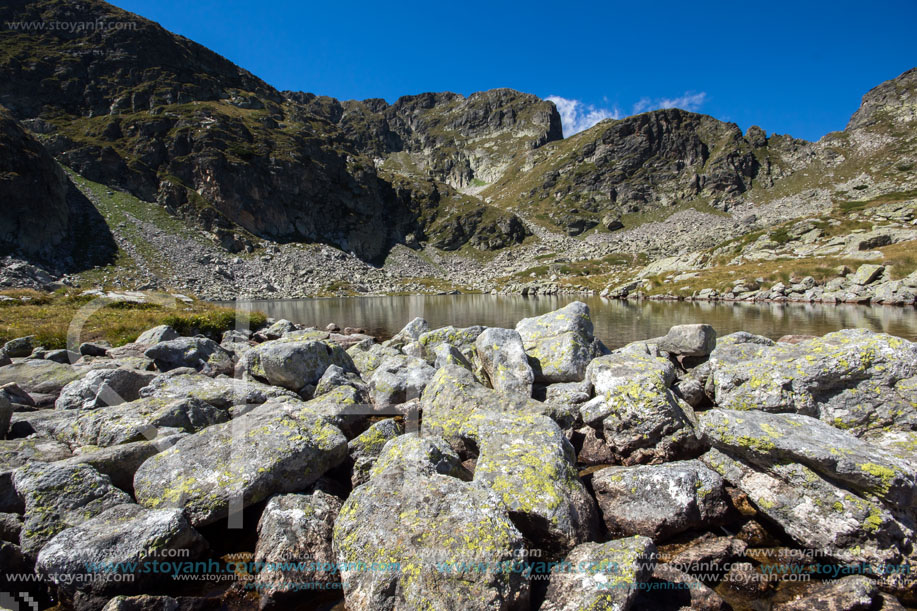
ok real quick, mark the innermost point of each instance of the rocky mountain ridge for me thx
(433, 192)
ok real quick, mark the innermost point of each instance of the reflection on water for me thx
(616, 322)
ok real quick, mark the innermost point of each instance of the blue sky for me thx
(795, 68)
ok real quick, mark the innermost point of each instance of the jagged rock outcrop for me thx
(43, 217)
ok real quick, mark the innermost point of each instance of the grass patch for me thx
(48, 316)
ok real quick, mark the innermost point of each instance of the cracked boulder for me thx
(817, 513)
(853, 379)
(229, 466)
(523, 456)
(559, 344)
(58, 497)
(764, 439)
(641, 419)
(504, 360)
(293, 529)
(427, 532)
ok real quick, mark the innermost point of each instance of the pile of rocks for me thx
(870, 283)
(463, 468)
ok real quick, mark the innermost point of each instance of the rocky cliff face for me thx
(651, 160)
(168, 120)
(464, 142)
(250, 168)
(42, 216)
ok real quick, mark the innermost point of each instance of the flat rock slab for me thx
(40, 376)
(765, 439)
(220, 392)
(141, 420)
(852, 379)
(234, 464)
(120, 536)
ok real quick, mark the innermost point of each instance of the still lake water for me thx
(616, 322)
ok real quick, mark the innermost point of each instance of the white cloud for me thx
(577, 116)
(688, 101)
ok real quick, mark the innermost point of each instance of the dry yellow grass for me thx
(48, 316)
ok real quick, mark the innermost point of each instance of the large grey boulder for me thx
(454, 394)
(367, 356)
(559, 343)
(426, 532)
(229, 466)
(522, 455)
(866, 274)
(601, 576)
(144, 419)
(121, 462)
(764, 439)
(660, 501)
(853, 379)
(689, 340)
(409, 334)
(200, 353)
(399, 379)
(104, 387)
(62, 355)
(640, 417)
(123, 535)
(818, 514)
(292, 363)
(528, 462)
(15, 453)
(413, 455)
(40, 376)
(162, 333)
(505, 362)
(60, 496)
(295, 529)
(19, 347)
(220, 392)
(276, 330)
(365, 449)
(462, 339)
(334, 377)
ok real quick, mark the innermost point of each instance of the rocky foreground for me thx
(472, 468)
